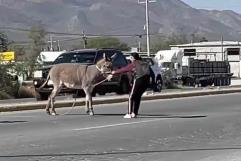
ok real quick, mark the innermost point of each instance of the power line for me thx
(79, 38)
(48, 32)
(80, 34)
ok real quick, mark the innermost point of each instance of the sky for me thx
(234, 5)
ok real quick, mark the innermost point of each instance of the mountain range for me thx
(117, 17)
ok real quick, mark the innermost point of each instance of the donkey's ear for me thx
(113, 56)
(104, 56)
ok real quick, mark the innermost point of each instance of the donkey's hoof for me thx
(53, 114)
(48, 112)
(87, 112)
(91, 113)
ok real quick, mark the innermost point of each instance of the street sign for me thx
(7, 56)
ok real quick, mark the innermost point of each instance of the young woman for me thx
(140, 84)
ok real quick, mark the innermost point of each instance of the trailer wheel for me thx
(223, 81)
(229, 81)
(210, 82)
(217, 82)
(204, 83)
(191, 82)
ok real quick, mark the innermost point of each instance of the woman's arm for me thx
(127, 68)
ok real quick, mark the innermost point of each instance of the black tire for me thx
(228, 81)
(210, 82)
(81, 94)
(203, 83)
(124, 87)
(189, 82)
(102, 93)
(159, 84)
(217, 82)
(41, 96)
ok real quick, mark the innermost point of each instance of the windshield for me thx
(167, 65)
(85, 58)
(148, 60)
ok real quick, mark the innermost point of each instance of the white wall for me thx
(235, 69)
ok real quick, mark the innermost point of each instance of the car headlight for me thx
(35, 82)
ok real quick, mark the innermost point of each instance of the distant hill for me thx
(118, 17)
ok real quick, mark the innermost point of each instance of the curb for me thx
(124, 98)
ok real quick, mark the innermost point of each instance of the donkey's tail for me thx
(48, 77)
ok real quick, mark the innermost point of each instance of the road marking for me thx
(114, 125)
(8, 116)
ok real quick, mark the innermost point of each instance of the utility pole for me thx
(139, 43)
(222, 48)
(84, 39)
(58, 46)
(51, 42)
(147, 23)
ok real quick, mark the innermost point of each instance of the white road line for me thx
(114, 125)
(8, 116)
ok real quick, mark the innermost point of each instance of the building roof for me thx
(209, 44)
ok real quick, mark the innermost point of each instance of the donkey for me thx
(77, 76)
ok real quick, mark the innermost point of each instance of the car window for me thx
(100, 54)
(149, 61)
(84, 57)
(119, 60)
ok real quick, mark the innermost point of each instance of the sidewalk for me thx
(177, 93)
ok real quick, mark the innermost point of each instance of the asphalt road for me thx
(206, 128)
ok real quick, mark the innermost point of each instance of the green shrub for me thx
(26, 92)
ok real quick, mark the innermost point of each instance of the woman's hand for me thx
(109, 77)
(113, 72)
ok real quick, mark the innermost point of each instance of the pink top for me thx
(127, 68)
(141, 68)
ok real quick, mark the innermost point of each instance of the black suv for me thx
(119, 84)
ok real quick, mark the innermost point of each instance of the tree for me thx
(37, 37)
(3, 42)
(163, 43)
(4, 68)
(9, 72)
(106, 42)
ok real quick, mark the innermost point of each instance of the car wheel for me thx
(79, 94)
(102, 93)
(159, 85)
(41, 96)
(124, 87)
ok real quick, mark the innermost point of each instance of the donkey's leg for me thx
(48, 105)
(87, 109)
(89, 96)
(88, 101)
(91, 106)
(52, 98)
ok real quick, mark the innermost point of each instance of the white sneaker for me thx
(133, 115)
(127, 116)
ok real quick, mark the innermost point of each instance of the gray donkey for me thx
(77, 76)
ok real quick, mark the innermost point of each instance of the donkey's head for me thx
(104, 64)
